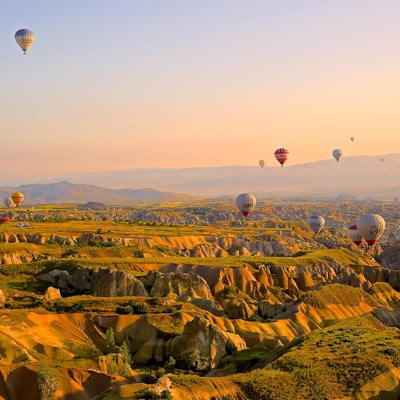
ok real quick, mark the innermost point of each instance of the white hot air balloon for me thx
(371, 227)
(316, 223)
(8, 202)
(261, 163)
(352, 138)
(354, 235)
(337, 153)
(246, 202)
(25, 39)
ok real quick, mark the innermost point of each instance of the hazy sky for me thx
(150, 83)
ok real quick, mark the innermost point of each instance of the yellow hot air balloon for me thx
(25, 39)
(17, 198)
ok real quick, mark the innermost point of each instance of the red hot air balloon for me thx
(354, 235)
(281, 155)
(3, 220)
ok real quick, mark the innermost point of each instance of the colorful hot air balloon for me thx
(3, 220)
(354, 235)
(281, 155)
(316, 223)
(17, 198)
(261, 163)
(25, 39)
(352, 139)
(8, 202)
(337, 153)
(371, 227)
(246, 202)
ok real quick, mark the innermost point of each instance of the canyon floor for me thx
(189, 301)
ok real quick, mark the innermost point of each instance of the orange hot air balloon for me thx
(17, 198)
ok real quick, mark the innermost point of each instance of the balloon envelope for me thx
(17, 198)
(8, 202)
(3, 220)
(261, 163)
(25, 39)
(316, 223)
(352, 139)
(382, 159)
(246, 202)
(281, 155)
(354, 235)
(371, 227)
(337, 153)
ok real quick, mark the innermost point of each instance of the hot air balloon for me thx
(371, 227)
(354, 235)
(281, 155)
(382, 159)
(3, 220)
(337, 153)
(352, 139)
(261, 163)
(316, 223)
(17, 198)
(24, 38)
(9, 203)
(245, 202)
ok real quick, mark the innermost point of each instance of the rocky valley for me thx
(191, 301)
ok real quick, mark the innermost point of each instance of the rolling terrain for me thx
(188, 301)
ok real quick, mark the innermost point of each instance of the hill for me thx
(66, 192)
(364, 177)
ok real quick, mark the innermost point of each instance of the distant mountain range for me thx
(66, 192)
(364, 177)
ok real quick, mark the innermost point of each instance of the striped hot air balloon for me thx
(25, 39)
(354, 235)
(371, 227)
(246, 202)
(281, 155)
(17, 198)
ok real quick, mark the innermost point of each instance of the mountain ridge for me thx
(364, 176)
(64, 192)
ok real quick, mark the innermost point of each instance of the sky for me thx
(121, 84)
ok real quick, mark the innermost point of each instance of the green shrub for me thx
(170, 364)
(48, 382)
(138, 308)
(124, 310)
(155, 301)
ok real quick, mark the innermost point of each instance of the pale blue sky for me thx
(128, 83)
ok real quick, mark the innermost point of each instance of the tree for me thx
(110, 340)
(48, 382)
(126, 357)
